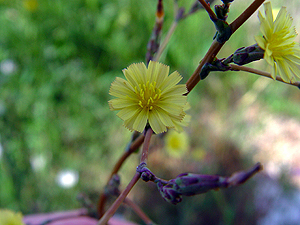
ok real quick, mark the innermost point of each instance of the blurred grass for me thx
(53, 103)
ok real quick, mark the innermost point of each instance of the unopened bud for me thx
(249, 54)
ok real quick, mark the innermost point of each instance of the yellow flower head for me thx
(149, 95)
(8, 217)
(281, 52)
(176, 143)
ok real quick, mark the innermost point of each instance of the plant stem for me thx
(211, 13)
(134, 146)
(245, 15)
(209, 56)
(138, 211)
(113, 208)
(166, 41)
(145, 151)
(153, 43)
(216, 46)
(171, 30)
(262, 73)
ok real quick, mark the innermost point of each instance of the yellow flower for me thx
(281, 52)
(8, 217)
(176, 143)
(149, 95)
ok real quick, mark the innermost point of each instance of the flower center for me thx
(148, 95)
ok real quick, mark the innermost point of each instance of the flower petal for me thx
(170, 81)
(156, 123)
(128, 112)
(141, 120)
(121, 88)
(120, 103)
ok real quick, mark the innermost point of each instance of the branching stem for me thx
(138, 211)
(134, 146)
(113, 208)
(216, 46)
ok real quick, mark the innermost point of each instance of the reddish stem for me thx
(134, 146)
(216, 46)
(146, 145)
(211, 13)
(138, 211)
(113, 208)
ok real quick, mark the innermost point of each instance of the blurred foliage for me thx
(58, 59)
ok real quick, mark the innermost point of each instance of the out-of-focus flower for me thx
(8, 217)
(38, 162)
(281, 52)
(67, 178)
(149, 95)
(7, 67)
(176, 143)
(30, 5)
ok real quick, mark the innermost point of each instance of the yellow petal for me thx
(170, 81)
(128, 112)
(141, 120)
(156, 123)
(260, 41)
(120, 103)
(165, 118)
(121, 88)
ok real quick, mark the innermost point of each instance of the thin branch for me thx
(138, 211)
(211, 13)
(216, 46)
(134, 146)
(262, 73)
(166, 41)
(245, 15)
(153, 43)
(209, 56)
(180, 15)
(113, 208)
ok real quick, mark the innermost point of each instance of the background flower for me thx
(176, 143)
(281, 52)
(8, 217)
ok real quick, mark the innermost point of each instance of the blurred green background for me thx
(57, 61)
